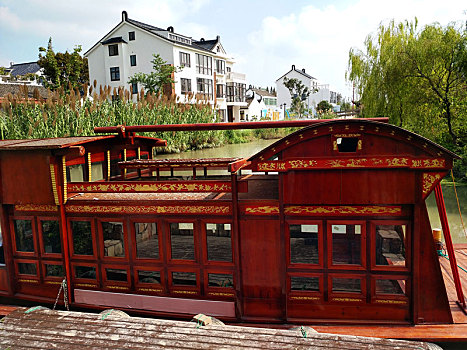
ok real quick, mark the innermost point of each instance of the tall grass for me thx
(72, 114)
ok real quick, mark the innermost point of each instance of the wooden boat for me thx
(326, 226)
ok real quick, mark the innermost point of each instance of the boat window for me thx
(97, 171)
(390, 245)
(390, 286)
(304, 244)
(147, 241)
(82, 237)
(220, 280)
(346, 285)
(304, 283)
(184, 278)
(54, 270)
(182, 241)
(113, 239)
(27, 269)
(149, 276)
(346, 244)
(347, 144)
(114, 168)
(219, 242)
(23, 236)
(116, 275)
(87, 272)
(75, 173)
(51, 236)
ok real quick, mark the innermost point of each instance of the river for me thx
(248, 149)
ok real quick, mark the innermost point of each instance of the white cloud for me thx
(319, 39)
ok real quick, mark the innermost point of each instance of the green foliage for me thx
(418, 78)
(158, 78)
(298, 92)
(66, 70)
(324, 106)
(2, 70)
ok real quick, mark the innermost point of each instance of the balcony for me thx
(236, 76)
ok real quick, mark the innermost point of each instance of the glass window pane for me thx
(113, 239)
(52, 270)
(82, 237)
(390, 286)
(147, 241)
(346, 244)
(220, 280)
(219, 241)
(304, 283)
(182, 241)
(23, 235)
(51, 236)
(75, 173)
(390, 245)
(184, 278)
(27, 269)
(88, 272)
(116, 275)
(304, 244)
(97, 171)
(149, 276)
(347, 285)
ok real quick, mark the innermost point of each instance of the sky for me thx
(265, 37)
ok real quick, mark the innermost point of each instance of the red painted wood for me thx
(155, 303)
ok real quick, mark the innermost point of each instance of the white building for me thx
(206, 69)
(262, 105)
(319, 91)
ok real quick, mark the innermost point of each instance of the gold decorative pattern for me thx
(302, 164)
(53, 282)
(108, 164)
(89, 167)
(25, 280)
(260, 210)
(218, 294)
(347, 300)
(152, 209)
(36, 207)
(343, 210)
(151, 187)
(429, 181)
(54, 184)
(65, 194)
(85, 285)
(271, 166)
(184, 292)
(388, 301)
(154, 290)
(397, 162)
(117, 287)
(304, 298)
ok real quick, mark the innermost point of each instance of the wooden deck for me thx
(43, 328)
(456, 332)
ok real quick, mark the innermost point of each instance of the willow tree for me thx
(415, 77)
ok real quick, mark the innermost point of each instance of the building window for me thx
(113, 50)
(132, 60)
(23, 236)
(236, 92)
(134, 88)
(219, 243)
(185, 60)
(51, 236)
(220, 66)
(147, 240)
(82, 238)
(112, 233)
(229, 69)
(115, 74)
(205, 87)
(182, 241)
(131, 36)
(185, 85)
(304, 248)
(220, 90)
(203, 64)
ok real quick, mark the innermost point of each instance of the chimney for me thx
(124, 16)
(12, 63)
(303, 70)
(293, 66)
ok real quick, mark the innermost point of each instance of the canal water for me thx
(455, 223)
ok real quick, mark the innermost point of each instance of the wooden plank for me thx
(6, 310)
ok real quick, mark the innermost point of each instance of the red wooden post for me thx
(449, 245)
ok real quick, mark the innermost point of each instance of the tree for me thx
(63, 69)
(158, 78)
(299, 93)
(324, 106)
(418, 78)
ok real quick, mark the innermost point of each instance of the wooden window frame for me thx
(79, 257)
(204, 243)
(184, 290)
(85, 282)
(108, 284)
(408, 246)
(150, 288)
(53, 279)
(396, 297)
(41, 238)
(320, 264)
(100, 235)
(37, 276)
(134, 249)
(19, 253)
(306, 293)
(348, 295)
(182, 262)
(219, 292)
(339, 267)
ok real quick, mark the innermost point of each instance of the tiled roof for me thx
(117, 39)
(264, 93)
(24, 68)
(206, 44)
(298, 71)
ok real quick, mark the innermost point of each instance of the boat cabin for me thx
(328, 224)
